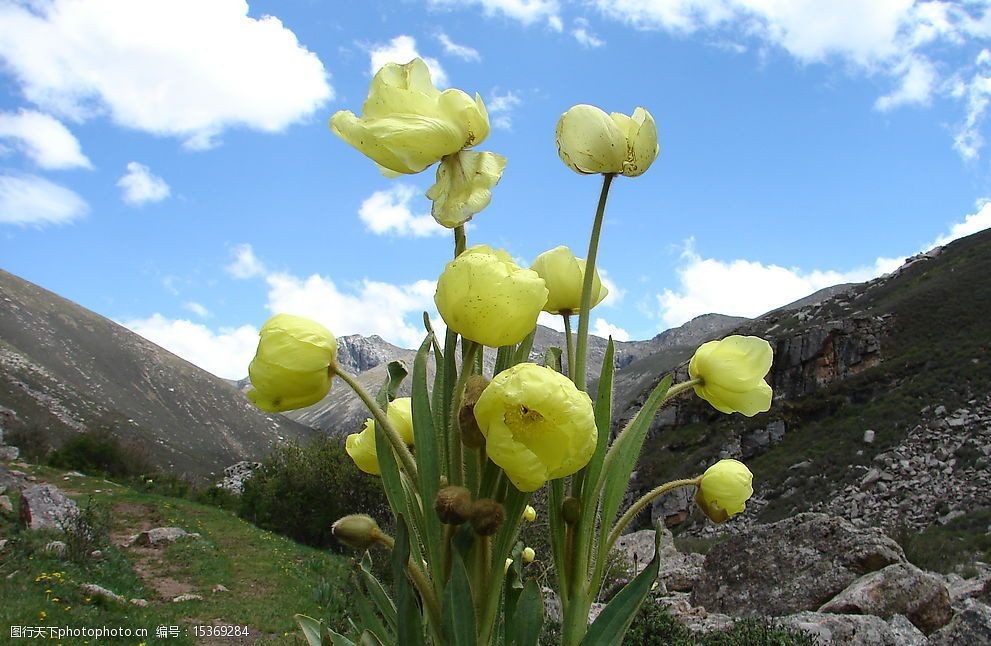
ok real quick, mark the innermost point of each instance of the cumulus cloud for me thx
(605, 329)
(43, 138)
(245, 264)
(29, 200)
(918, 78)
(501, 107)
(225, 352)
(182, 68)
(388, 212)
(140, 186)
(584, 35)
(402, 49)
(394, 312)
(463, 52)
(977, 221)
(196, 308)
(525, 11)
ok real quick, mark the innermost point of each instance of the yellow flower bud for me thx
(732, 372)
(361, 446)
(537, 425)
(291, 368)
(590, 141)
(464, 186)
(724, 489)
(357, 530)
(528, 555)
(407, 124)
(485, 296)
(564, 276)
(529, 514)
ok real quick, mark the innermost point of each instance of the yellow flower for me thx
(564, 275)
(485, 296)
(361, 446)
(464, 186)
(291, 368)
(529, 514)
(407, 124)
(724, 489)
(590, 141)
(732, 373)
(537, 425)
(528, 555)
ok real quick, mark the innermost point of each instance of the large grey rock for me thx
(678, 571)
(95, 590)
(160, 536)
(795, 564)
(9, 453)
(237, 474)
(970, 626)
(899, 589)
(976, 587)
(856, 630)
(554, 612)
(695, 618)
(44, 506)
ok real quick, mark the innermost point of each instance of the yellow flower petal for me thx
(732, 372)
(589, 141)
(464, 186)
(565, 275)
(361, 446)
(291, 366)
(724, 489)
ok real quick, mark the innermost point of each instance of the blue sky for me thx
(168, 163)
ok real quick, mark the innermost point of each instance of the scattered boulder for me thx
(694, 618)
(553, 610)
(220, 588)
(6, 507)
(44, 506)
(3, 543)
(57, 549)
(856, 630)
(971, 626)
(899, 589)
(977, 587)
(159, 536)
(792, 565)
(141, 603)
(99, 591)
(187, 597)
(678, 571)
(9, 453)
(237, 474)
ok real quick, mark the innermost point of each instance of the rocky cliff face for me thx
(64, 369)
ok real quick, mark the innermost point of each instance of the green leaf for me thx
(368, 618)
(552, 359)
(611, 625)
(522, 353)
(623, 454)
(368, 638)
(410, 624)
(396, 372)
(378, 595)
(312, 629)
(458, 607)
(503, 356)
(428, 457)
(528, 619)
(603, 424)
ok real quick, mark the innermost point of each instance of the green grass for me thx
(948, 548)
(270, 578)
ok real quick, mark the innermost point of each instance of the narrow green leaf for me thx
(377, 593)
(552, 359)
(611, 625)
(458, 609)
(368, 638)
(391, 480)
(503, 356)
(368, 618)
(528, 619)
(312, 629)
(410, 625)
(337, 639)
(428, 456)
(522, 353)
(603, 423)
(396, 373)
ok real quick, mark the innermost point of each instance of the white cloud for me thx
(388, 212)
(245, 263)
(225, 353)
(139, 185)
(44, 139)
(968, 139)
(32, 200)
(973, 223)
(182, 68)
(616, 293)
(918, 80)
(605, 329)
(525, 11)
(584, 35)
(369, 307)
(196, 309)
(554, 321)
(501, 106)
(746, 287)
(402, 49)
(461, 51)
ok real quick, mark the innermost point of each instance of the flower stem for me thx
(402, 451)
(639, 505)
(419, 580)
(454, 436)
(583, 316)
(569, 344)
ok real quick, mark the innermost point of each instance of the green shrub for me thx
(100, 452)
(301, 490)
(87, 530)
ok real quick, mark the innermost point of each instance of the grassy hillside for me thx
(269, 577)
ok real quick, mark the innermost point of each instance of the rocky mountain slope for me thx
(65, 369)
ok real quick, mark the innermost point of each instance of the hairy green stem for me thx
(639, 505)
(578, 375)
(455, 454)
(402, 451)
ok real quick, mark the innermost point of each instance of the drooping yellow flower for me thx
(529, 514)
(407, 124)
(361, 446)
(590, 141)
(564, 275)
(724, 490)
(732, 372)
(464, 186)
(537, 425)
(291, 368)
(528, 555)
(485, 296)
